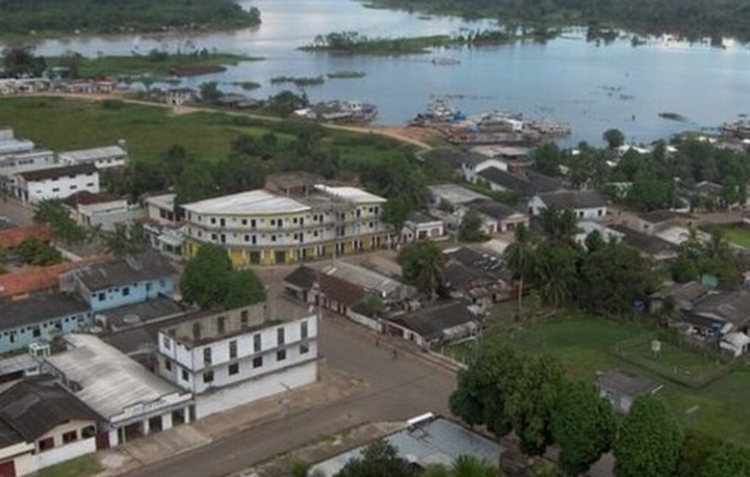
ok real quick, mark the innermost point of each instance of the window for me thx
(232, 349)
(89, 184)
(207, 356)
(55, 189)
(125, 291)
(12, 336)
(102, 297)
(294, 220)
(280, 336)
(208, 377)
(252, 223)
(244, 221)
(303, 330)
(273, 222)
(234, 369)
(257, 362)
(166, 342)
(221, 325)
(185, 376)
(168, 365)
(73, 187)
(36, 332)
(304, 348)
(273, 238)
(281, 355)
(256, 343)
(213, 220)
(247, 238)
(46, 444)
(69, 437)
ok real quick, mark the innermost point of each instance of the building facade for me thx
(238, 356)
(101, 157)
(260, 227)
(56, 182)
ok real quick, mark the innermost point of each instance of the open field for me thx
(63, 124)
(737, 234)
(585, 347)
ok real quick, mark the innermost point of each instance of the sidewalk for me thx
(332, 386)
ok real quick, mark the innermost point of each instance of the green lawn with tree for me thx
(738, 234)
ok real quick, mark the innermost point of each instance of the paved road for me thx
(398, 389)
(13, 210)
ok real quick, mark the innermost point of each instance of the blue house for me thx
(123, 281)
(41, 317)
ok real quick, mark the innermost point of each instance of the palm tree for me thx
(520, 258)
(464, 466)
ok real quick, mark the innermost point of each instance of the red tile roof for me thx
(38, 279)
(10, 238)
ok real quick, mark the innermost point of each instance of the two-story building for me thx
(56, 182)
(233, 357)
(265, 228)
(101, 157)
(122, 281)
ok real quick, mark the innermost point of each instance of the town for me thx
(171, 333)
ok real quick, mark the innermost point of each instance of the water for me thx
(593, 88)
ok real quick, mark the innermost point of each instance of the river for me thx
(567, 79)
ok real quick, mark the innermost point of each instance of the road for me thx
(398, 389)
(15, 212)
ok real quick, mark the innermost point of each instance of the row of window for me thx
(234, 368)
(257, 345)
(279, 222)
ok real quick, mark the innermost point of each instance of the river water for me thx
(591, 87)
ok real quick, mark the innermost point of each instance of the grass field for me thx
(737, 234)
(81, 467)
(64, 124)
(584, 345)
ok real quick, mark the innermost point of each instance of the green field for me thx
(585, 344)
(737, 234)
(63, 124)
(81, 467)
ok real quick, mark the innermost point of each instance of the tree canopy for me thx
(62, 226)
(378, 459)
(423, 266)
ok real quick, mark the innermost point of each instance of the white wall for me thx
(63, 453)
(252, 390)
(62, 187)
(371, 323)
(536, 205)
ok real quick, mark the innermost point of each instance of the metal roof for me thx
(38, 309)
(258, 202)
(10, 146)
(110, 381)
(455, 194)
(350, 194)
(92, 155)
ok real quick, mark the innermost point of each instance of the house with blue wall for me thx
(123, 281)
(41, 317)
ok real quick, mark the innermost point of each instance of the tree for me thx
(21, 61)
(126, 240)
(244, 288)
(35, 252)
(728, 460)
(548, 159)
(209, 91)
(614, 138)
(594, 241)
(72, 61)
(520, 258)
(470, 229)
(697, 448)
(378, 459)
(206, 277)
(558, 225)
(286, 102)
(423, 266)
(583, 426)
(464, 466)
(396, 211)
(195, 183)
(555, 272)
(54, 213)
(649, 441)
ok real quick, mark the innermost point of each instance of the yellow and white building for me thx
(261, 227)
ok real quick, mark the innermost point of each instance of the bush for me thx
(113, 104)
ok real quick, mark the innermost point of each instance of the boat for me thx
(738, 129)
(345, 111)
(437, 113)
(550, 128)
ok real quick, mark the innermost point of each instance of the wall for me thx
(252, 390)
(66, 452)
(371, 323)
(61, 188)
(137, 293)
(23, 336)
(24, 463)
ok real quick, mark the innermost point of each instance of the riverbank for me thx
(157, 64)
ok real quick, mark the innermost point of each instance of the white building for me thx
(584, 204)
(180, 96)
(94, 210)
(421, 226)
(161, 208)
(56, 182)
(101, 157)
(238, 356)
(9, 144)
(133, 401)
(26, 161)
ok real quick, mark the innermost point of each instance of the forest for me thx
(65, 17)
(689, 19)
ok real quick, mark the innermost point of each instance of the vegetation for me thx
(713, 257)
(691, 19)
(423, 266)
(63, 228)
(299, 81)
(210, 281)
(34, 251)
(247, 85)
(378, 459)
(470, 229)
(464, 466)
(66, 17)
(126, 240)
(346, 74)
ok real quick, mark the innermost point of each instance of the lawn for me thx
(585, 344)
(64, 124)
(737, 234)
(81, 467)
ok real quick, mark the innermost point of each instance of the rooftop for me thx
(368, 279)
(34, 406)
(486, 262)
(433, 441)
(149, 265)
(731, 306)
(12, 237)
(627, 384)
(109, 380)
(451, 157)
(656, 216)
(455, 194)
(252, 202)
(38, 309)
(38, 279)
(421, 218)
(57, 172)
(350, 194)
(332, 287)
(85, 197)
(649, 244)
(494, 209)
(94, 154)
(432, 322)
(573, 199)
(163, 201)
(139, 314)
(506, 180)
(10, 146)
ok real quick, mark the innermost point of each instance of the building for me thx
(180, 96)
(658, 220)
(26, 161)
(41, 424)
(621, 388)
(122, 281)
(435, 325)
(131, 400)
(40, 318)
(18, 284)
(426, 440)
(56, 182)
(650, 246)
(584, 204)
(160, 209)
(95, 210)
(10, 145)
(391, 291)
(452, 195)
(12, 237)
(101, 157)
(497, 217)
(234, 357)
(320, 289)
(420, 226)
(266, 228)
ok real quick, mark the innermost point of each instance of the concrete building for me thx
(131, 400)
(101, 157)
(237, 356)
(497, 217)
(621, 388)
(26, 161)
(420, 227)
(161, 209)
(94, 210)
(180, 96)
(122, 281)
(266, 228)
(436, 324)
(9, 144)
(41, 317)
(56, 182)
(453, 195)
(584, 204)
(41, 424)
